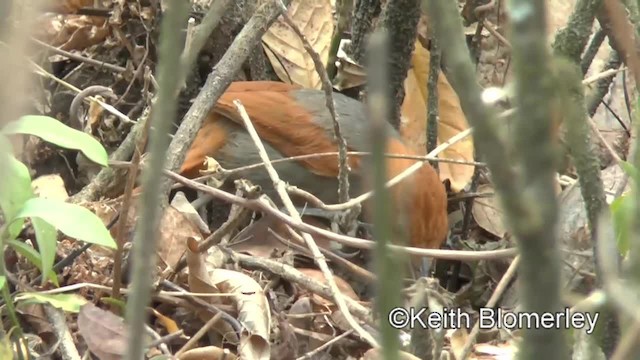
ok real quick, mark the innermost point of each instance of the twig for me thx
(74, 110)
(198, 335)
(493, 301)
(292, 274)
(258, 205)
(592, 50)
(432, 101)
(319, 258)
(146, 235)
(389, 265)
(343, 161)
(67, 345)
(326, 345)
(99, 64)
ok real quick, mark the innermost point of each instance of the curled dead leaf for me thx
(253, 309)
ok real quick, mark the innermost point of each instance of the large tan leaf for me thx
(253, 309)
(284, 48)
(452, 119)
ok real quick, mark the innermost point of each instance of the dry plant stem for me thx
(388, 264)
(581, 145)
(258, 205)
(360, 273)
(432, 101)
(492, 29)
(326, 345)
(59, 324)
(42, 72)
(292, 274)
(621, 37)
(286, 200)
(72, 56)
(235, 324)
(122, 224)
(618, 291)
(361, 26)
(198, 335)
(202, 33)
(400, 19)
(573, 38)
(493, 301)
(627, 347)
(343, 164)
(74, 109)
(592, 50)
(164, 110)
(529, 200)
(535, 228)
(601, 88)
(217, 82)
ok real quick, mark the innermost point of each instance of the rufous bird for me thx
(294, 121)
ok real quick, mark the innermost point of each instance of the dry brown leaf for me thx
(487, 212)
(105, 333)
(257, 239)
(175, 228)
(71, 32)
(207, 353)
(182, 204)
(253, 309)
(343, 286)
(452, 120)
(50, 187)
(284, 48)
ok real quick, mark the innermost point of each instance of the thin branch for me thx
(147, 232)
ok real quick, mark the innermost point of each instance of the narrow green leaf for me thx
(66, 302)
(3, 281)
(630, 170)
(47, 238)
(15, 188)
(55, 132)
(6, 349)
(72, 220)
(33, 257)
(621, 210)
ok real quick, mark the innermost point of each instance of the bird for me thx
(292, 121)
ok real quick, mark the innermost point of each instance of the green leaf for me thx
(3, 281)
(6, 348)
(15, 188)
(67, 302)
(55, 132)
(621, 211)
(33, 257)
(47, 238)
(630, 170)
(73, 220)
